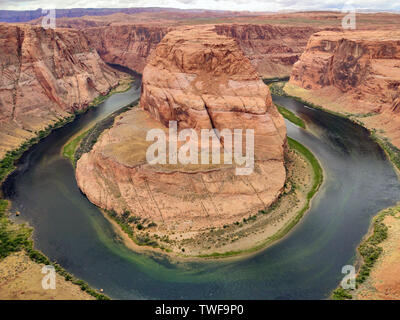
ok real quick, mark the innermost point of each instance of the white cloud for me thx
(251, 5)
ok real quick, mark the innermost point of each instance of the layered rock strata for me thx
(45, 75)
(271, 49)
(355, 73)
(128, 45)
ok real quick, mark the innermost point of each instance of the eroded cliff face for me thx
(271, 49)
(357, 73)
(45, 75)
(125, 44)
(203, 81)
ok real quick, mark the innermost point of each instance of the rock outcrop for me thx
(271, 49)
(203, 81)
(356, 73)
(45, 75)
(126, 44)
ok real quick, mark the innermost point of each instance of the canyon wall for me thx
(356, 73)
(271, 49)
(127, 45)
(203, 81)
(45, 75)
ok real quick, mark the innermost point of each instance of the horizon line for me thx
(362, 10)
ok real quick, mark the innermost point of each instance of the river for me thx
(358, 182)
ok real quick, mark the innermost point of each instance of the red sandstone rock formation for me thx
(45, 75)
(126, 45)
(271, 49)
(202, 80)
(354, 72)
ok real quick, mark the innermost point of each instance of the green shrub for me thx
(91, 137)
(13, 237)
(289, 115)
(369, 250)
(341, 294)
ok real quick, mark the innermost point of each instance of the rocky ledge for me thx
(356, 73)
(201, 80)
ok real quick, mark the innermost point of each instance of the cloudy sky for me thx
(252, 5)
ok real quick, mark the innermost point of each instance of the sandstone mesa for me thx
(201, 80)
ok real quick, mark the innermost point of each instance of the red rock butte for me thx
(202, 80)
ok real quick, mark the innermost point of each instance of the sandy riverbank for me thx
(21, 279)
(383, 282)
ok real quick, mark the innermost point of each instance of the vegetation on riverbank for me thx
(40, 258)
(276, 88)
(392, 152)
(70, 147)
(13, 237)
(369, 250)
(317, 181)
(318, 172)
(123, 86)
(8, 163)
(129, 223)
(298, 192)
(17, 237)
(289, 115)
(89, 138)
